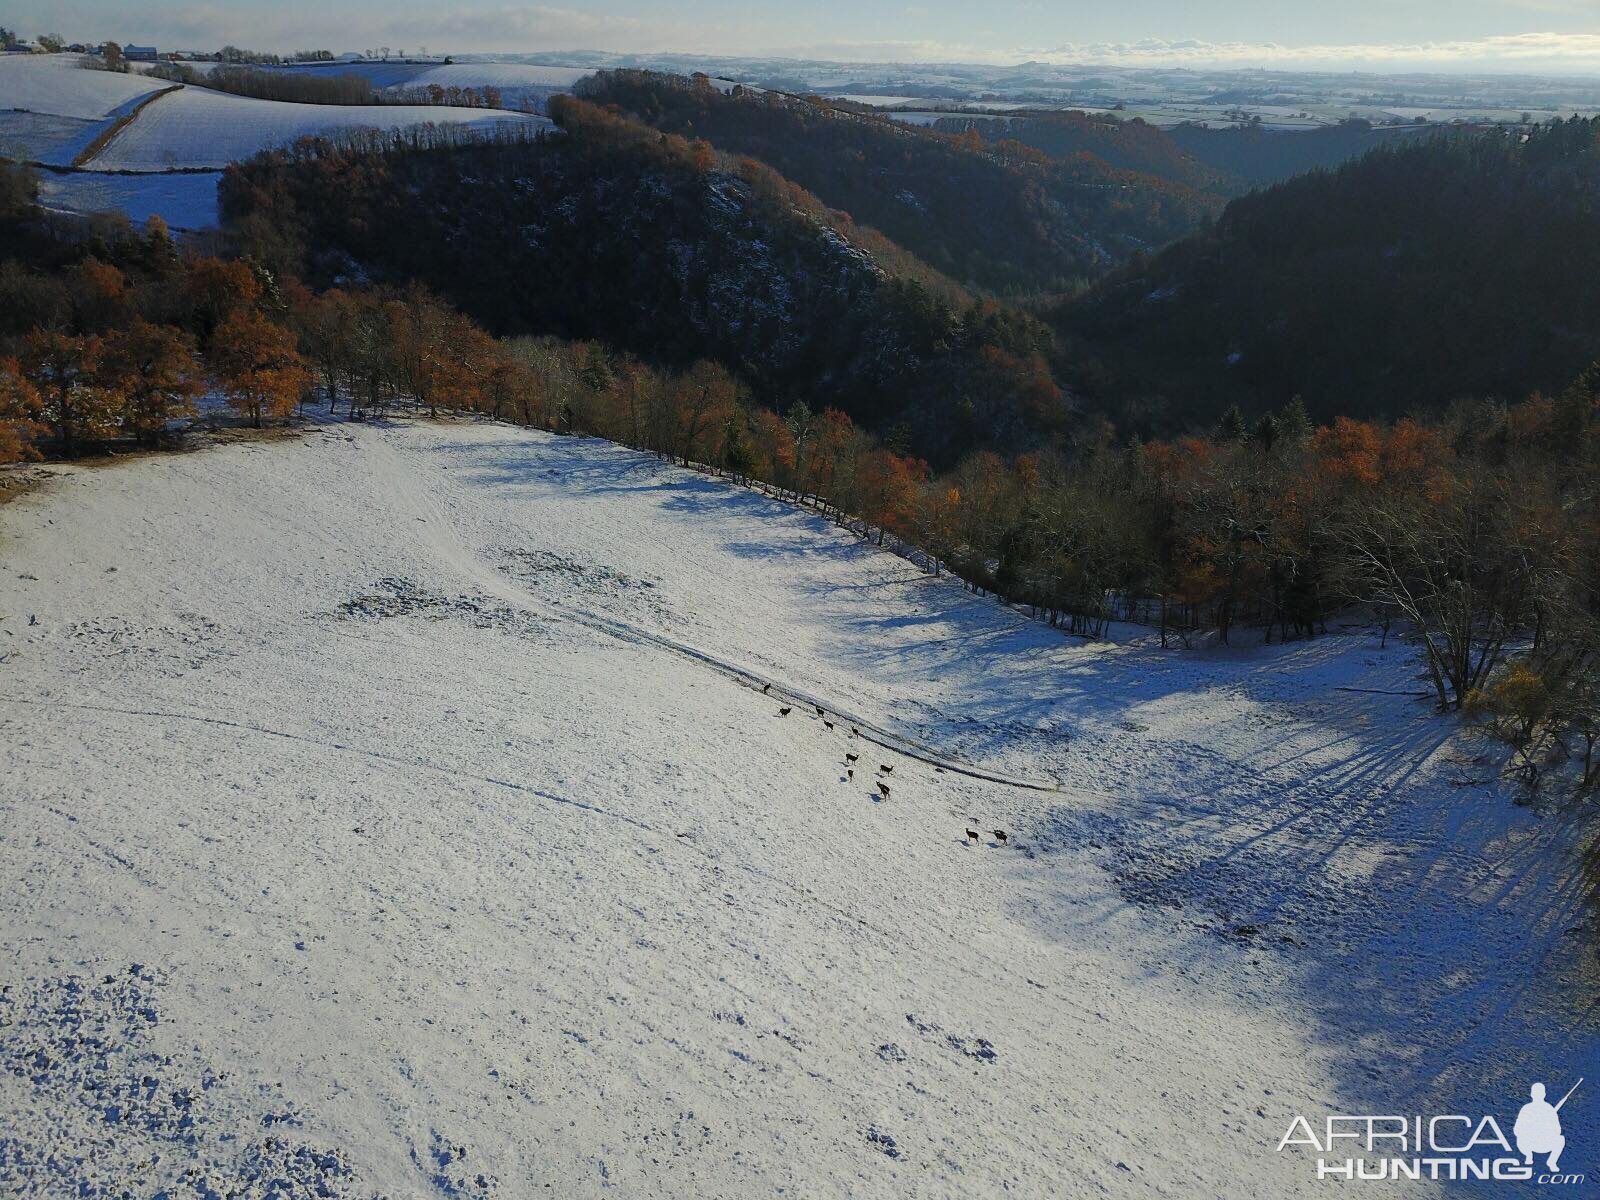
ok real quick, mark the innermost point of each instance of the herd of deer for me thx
(885, 770)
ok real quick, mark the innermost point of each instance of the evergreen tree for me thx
(1294, 424)
(1232, 427)
(1266, 431)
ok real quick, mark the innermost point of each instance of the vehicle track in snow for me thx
(491, 579)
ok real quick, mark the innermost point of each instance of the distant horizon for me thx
(1447, 37)
(1332, 69)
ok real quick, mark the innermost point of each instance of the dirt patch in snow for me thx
(79, 1066)
(554, 575)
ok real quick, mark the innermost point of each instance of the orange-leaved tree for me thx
(154, 369)
(75, 404)
(890, 486)
(257, 366)
(20, 405)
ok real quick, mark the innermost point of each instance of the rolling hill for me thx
(467, 856)
(1430, 270)
(57, 111)
(52, 108)
(194, 127)
(647, 242)
(1129, 145)
(519, 85)
(1015, 223)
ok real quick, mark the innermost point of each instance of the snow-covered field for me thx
(397, 809)
(193, 127)
(52, 108)
(58, 84)
(516, 82)
(187, 200)
(44, 137)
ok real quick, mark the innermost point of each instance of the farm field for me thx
(185, 200)
(487, 838)
(193, 127)
(517, 82)
(59, 85)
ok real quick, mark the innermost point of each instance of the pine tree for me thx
(1232, 427)
(160, 254)
(1266, 431)
(1294, 424)
(738, 458)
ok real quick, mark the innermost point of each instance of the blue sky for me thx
(1477, 35)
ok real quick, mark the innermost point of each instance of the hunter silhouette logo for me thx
(1538, 1127)
(1449, 1146)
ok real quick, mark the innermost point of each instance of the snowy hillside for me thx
(52, 110)
(52, 107)
(186, 200)
(398, 809)
(516, 82)
(59, 84)
(193, 127)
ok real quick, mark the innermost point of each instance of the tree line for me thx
(1476, 532)
(286, 85)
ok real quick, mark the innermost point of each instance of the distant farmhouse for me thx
(139, 53)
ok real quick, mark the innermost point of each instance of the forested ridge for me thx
(1132, 145)
(1000, 216)
(1224, 161)
(657, 245)
(1430, 270)
(1249, 156)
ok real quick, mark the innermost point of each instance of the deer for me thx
(887, 770)
(850, 758)
(827, 722)
(765, 688)
(972, 836)
(820, 713)
(784, 712)
(1000, 836)
(884, 788)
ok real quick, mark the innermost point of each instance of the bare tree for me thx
(1448, 565)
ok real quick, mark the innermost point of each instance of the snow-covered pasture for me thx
(401, 806)
(195, 127)
(185, 200)
(516, 82)
(44, 137)
(59, 85)
(52, 108)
